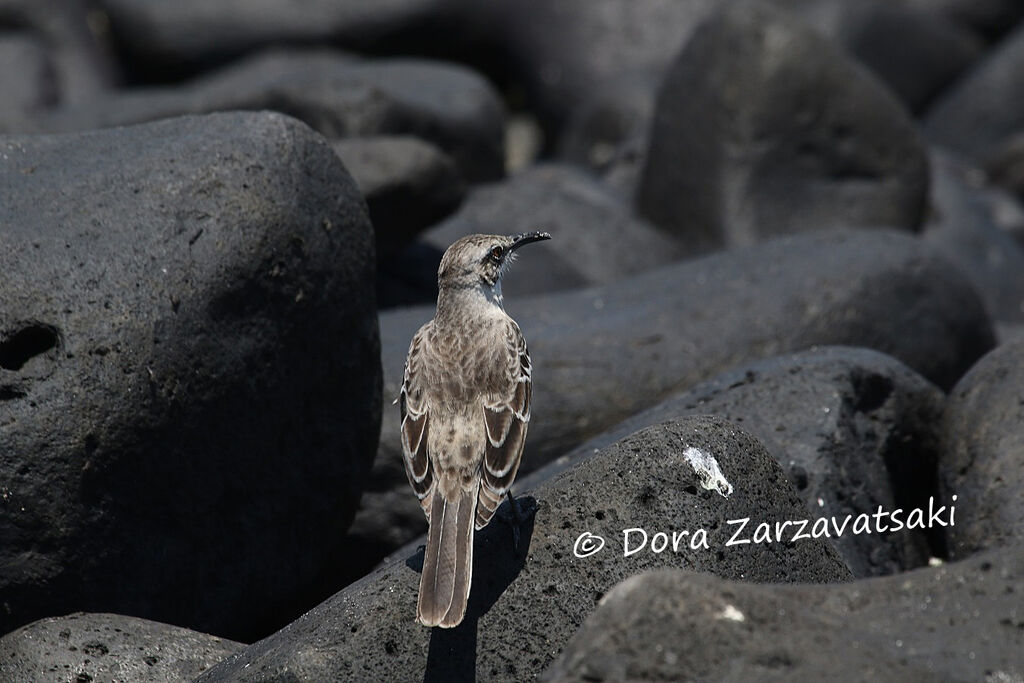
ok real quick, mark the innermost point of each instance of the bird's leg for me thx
(518, 516)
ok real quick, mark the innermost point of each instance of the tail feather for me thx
(448, 560)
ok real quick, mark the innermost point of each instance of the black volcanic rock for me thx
(1005, 166)
(408, 184)
(988, 18)
(762, 127)
(189, 370)
(980, 461)
(986, 107)
(171, 36)
(692, 475)
(595, 238)
(957, 622)
(108, 647)
(964, 225)
(565, 51)
(66, 39)
(915, 50)
(852, 428)
(337, 94)
(26, 78)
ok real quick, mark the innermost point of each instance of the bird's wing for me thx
(416, 420)
(506, 418)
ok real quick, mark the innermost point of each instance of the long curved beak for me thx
(524, 238)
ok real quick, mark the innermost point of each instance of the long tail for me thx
(448, 560)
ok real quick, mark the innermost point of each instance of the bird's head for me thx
(479, 261)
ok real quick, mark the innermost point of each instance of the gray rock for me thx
(26, 78)
(408, 185)
(989, 18)
(986, 106)
(763, 127)
(172, 35)
(916, 51)
(189, 370)
(957, 622)
(853, 429)
(78, 55)
(603, 354)
(980, 459)
(567, 50)
(964, 224)
(1009, 332)
(337, 94)
(1005, 167)
(607, 131)
(596, 240)
(525, 605)
(108, 647)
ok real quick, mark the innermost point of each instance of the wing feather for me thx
(507, 420)
(416, 422)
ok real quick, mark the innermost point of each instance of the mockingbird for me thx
(465, 404)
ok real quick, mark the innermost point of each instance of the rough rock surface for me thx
(337, 94)
(762, 127)
(852, 428)
(108, 647)
(980, 460)
(525, 604)
(189, 370)
(957, 622)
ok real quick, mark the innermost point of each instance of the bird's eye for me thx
(497, 253)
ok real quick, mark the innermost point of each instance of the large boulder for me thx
(696, 477)
(763, 127)
(980, 460)
(915, 50)
(853, 429)
(958, 622)
(565, 51)
(189, 370)
(339, 95)
(108, 647)
(167, 37)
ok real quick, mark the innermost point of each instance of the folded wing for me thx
(506, 418)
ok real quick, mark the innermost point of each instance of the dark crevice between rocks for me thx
(913, 470)
(21, 346)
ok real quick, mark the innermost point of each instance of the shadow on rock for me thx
(496, 564)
